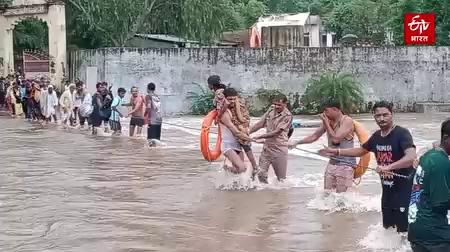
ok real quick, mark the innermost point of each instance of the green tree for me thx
(250, 11)
(363, 18)
(205, 20)
(287, 6)
(396, 18)
(5, 3)
(341, 87)
(201, 101)
(439, 7)
(115, 22)
(105, 23)
(30, 34)
(372, 20)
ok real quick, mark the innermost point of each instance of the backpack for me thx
(86, 108)
(156, 106)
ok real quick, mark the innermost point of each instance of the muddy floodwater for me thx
(65, 190)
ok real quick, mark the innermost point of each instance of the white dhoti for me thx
(48, 103)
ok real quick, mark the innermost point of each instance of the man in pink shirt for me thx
(137, 103)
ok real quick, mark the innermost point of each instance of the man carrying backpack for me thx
(153, 111)
(84, 101)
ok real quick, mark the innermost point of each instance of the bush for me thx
(266, 96)
(202, 101)
(339, 86)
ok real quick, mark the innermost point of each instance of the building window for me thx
(306, 39)
(324, 39)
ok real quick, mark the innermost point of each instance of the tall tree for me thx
(363, 18)
(117, 21)
(287, 6)
(102, 23)
(442, 11)
(205, 20)
(440, 7)
(30, 34)
(4, 3)
(250, 11)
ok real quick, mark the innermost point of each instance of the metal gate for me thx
(36, 64)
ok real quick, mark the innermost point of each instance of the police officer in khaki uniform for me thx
(278, 121)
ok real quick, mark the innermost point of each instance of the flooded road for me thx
(64, 190)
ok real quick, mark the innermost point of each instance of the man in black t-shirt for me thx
(395, 152)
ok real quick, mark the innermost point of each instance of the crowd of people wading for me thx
(37, 100)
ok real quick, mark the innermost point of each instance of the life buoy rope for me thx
(214, 154)
(208, 154)
(363, 136)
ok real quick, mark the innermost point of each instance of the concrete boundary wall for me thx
(403, 75)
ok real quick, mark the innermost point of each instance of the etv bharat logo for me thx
(419, 29)
(422, 25)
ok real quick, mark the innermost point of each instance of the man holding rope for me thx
(340, 132)
(277, 122)
(395, 151)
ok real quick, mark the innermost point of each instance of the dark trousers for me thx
(26, 108)
(76, 112)
(33, 109)
(82, 119)
(13, 108)
(154, 131)
(73, 116)
(443, 247)
(2, 99)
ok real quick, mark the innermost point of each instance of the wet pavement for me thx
(65, 190)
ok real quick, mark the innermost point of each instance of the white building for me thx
(290, 30)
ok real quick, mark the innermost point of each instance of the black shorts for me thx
(246, 147)
(96, 121)
(394, 217)
(443, 247)
(115, 125)
(154, 131)
(136, 121)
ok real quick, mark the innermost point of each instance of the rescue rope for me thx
(315, 153)
(187, 127)
(342, 161)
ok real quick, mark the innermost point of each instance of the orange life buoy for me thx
(208, 154)
(363, 136)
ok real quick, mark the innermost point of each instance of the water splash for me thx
(154, 143)
(351, 201)
(227, 181)
(304, 181)
(379, 239)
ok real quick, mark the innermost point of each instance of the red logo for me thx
(420, 28)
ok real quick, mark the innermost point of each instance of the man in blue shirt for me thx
(114, 120)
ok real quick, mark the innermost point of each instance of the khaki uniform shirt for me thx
(273, 121)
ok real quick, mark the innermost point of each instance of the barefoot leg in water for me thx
(237, 161)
